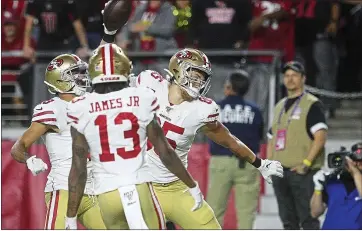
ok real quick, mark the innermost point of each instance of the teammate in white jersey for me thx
(66, 76)
(184, 111)
(114, 122)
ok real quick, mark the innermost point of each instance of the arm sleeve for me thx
(45, 113)
(210, 113)
(164, 26)
(316, 119)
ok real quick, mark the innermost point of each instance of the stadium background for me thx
(22, 197)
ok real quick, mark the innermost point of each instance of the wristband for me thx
(307, 162)
(318, 192)
(108, 38)
(257, 162)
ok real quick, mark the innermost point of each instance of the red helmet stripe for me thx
(107, 55)
(76, 58)
(111, 59)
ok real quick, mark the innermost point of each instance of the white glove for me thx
(270, 168)
(71, 222)
(319, 179)
(197, 195)
(105, 29)
(36, 165)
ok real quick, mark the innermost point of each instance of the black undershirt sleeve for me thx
(315, 116)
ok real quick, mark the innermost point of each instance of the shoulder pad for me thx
(150, 79)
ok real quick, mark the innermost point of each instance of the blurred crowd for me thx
(326, 36)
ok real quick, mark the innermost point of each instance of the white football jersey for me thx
(180, 123)
(114, 125)
(58, 144)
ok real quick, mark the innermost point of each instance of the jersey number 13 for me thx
(106, 155)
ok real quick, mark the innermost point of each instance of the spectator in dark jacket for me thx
(150, 29)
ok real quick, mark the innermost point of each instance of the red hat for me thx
(10, 17)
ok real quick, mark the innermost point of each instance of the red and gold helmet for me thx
(109, 63)
(183, 66)
(67, 73)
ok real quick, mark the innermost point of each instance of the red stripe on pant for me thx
(52, 211)
(55, 210)
(157, 206)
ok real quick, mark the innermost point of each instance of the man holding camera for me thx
(341, 193)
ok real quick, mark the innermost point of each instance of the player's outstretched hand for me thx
(270, 168)
(197, 195)
(71, 222)
(36, 165)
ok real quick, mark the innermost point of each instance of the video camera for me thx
(338, 159)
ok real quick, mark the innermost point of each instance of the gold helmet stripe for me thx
(107, 56)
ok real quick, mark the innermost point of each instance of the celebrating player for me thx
(114, 122)
(66, 76)
(184, 111)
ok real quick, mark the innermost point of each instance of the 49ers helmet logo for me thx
(184, 54)
(54, 64)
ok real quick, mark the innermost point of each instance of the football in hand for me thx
(116, 14)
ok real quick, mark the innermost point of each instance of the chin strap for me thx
(75, 90)
(79, 91)
(170, 77)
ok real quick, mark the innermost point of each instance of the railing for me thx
(167, 53)
(44, 57)
(10, 82)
